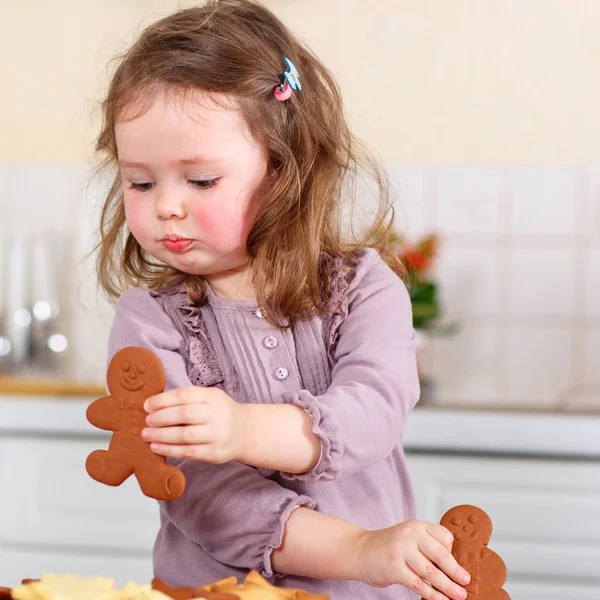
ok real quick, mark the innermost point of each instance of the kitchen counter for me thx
(517, 432)
(46, 414)
(429, 428)
(536, 471)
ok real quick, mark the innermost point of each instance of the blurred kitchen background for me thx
(486, 115)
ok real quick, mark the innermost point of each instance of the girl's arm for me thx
(375, 385)
(230, 510)
(410, 554)
(355, 423)
(251, 522)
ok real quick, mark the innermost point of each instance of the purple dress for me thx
(354, 371)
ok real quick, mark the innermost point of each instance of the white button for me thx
(270, 342)
(258, 313)
(281, 374)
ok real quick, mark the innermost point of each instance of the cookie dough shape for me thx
(255, 587)
(134, 374)
(472, 529)
(71, 587)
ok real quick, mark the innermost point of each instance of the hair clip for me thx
(291, 81)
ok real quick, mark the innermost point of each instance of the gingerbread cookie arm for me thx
(177, 593)
(493, 568)
(104, 413)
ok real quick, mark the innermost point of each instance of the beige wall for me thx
(425, 80)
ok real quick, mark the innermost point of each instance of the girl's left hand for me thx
(195, 422)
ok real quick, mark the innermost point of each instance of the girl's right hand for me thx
(415, 554)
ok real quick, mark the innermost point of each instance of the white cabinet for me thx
(545, 509)
(55, 518)
(546, 516)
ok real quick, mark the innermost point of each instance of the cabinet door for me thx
(546, 516)
(48, 500)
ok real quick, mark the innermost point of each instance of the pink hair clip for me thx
(291, 81)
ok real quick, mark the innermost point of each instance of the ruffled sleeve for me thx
(230, 510)
(374, 380)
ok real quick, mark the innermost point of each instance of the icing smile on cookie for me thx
(465, 536)
(132, 386)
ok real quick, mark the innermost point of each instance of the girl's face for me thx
(192, 180)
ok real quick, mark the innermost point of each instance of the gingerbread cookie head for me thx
(468, 524)
(135, 372)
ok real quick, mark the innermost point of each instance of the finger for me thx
(203, 452)
(417, 584)
(178, 450)
(180, 414)
(425, 569)
(441, 534)
(161, 400)
(187, 434)
(441, 556)
(173, 397)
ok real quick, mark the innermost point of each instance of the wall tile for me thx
(45, 197)
(469, 279)
(592, 289)
(410, 202)
(591, 217)
(592, 357)
(539, 362)
(7, 202)
(544, 200)
(466, 365)
(509, 241)
(542, 281)
(469, 200)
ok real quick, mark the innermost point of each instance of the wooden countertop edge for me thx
(48, 387)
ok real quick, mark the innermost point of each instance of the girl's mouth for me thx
(177, 245)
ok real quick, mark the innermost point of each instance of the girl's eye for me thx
(143, 187)
(204, 184)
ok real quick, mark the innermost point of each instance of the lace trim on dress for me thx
(342, 275)
(206, 370)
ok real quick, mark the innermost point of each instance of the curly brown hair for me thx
(236, 48)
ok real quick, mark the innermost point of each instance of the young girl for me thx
(289, 350)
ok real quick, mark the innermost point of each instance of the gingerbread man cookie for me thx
(187, 593)
(254, 587)
(472, 529)
(134, 374)
(5, 593)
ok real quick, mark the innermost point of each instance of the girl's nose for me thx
(169, 205)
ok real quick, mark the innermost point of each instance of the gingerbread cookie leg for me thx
(162, 481)
(102, 466)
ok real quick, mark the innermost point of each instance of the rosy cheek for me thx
(136, 221)
(222, 225)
